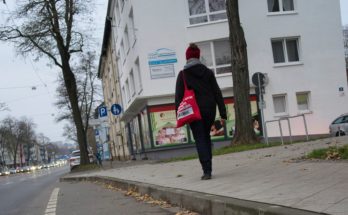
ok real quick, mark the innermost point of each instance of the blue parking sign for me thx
(103, 111)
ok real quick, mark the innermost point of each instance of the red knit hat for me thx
(192, 51)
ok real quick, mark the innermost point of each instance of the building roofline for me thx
(106, 37)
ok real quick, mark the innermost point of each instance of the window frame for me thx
(132, 28)
(214, 65)
(281, 10)
(285, 51)
(132, 83)
(307, 93)
(206, 14)
(126, 40)
(129, 97)
(138, 74)
(286, 112)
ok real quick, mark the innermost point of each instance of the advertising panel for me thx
(230, 122)
(163, 125)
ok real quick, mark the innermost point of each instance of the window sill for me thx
(287, 64)
(206, 23)
(282, 13)
(300, 112)
(223, 75)
(280, 115)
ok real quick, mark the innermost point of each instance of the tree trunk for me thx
(70, 83)
(240, 73)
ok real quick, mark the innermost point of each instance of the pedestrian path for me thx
(272, 175)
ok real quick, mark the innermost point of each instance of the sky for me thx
(29, 87)
(18, 77)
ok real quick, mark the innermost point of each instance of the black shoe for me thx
(206, 177)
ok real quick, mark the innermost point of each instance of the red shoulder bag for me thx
(188, 110)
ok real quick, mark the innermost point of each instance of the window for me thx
(131, 28)
(216, 55)
(123, 52)
(279, 103)
(124, 96)
(280, 5)
(285, 50)
(119, 65)
(122, 4)
(128, 91)
(132, 83)
(302, 101)
(138, 75)
(202, 11)
(117, 12)
(126, 40)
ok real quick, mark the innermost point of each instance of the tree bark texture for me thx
(70, 83)
(244, 132)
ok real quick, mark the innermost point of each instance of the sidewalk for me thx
(273, 176)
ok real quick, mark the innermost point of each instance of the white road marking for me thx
(52, 203)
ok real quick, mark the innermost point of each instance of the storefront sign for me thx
(161, 63)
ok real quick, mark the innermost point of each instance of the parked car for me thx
(74, 159)
(339, 127)
(13, 171)
(26, 169)
(5, 171)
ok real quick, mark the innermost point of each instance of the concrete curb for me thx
(202, 203)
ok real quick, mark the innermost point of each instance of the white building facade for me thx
(297, 44)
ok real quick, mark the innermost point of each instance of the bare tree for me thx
(28, 137)
(240, 73)
(345, 42)
(43, 141)
(15, 132)
(88, 92)
(3, 106)
(70, 132)
(3, 147)
(48, 28)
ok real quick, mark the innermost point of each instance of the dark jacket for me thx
(208, 94)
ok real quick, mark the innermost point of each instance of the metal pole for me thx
(305, 124)
(264, 132)
(281, 131)
(289, 130)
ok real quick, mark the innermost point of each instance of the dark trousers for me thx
(201, 134)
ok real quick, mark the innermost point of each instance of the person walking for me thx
(208, 94)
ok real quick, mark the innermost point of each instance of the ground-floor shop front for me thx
(152, 133)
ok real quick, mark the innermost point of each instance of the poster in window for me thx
(230, 122)
(163, 124)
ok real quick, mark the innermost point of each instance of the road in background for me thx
(28, 193)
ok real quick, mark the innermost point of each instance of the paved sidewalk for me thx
(272, 175)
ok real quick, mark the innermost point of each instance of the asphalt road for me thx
(41, 193)
(85, 198)
(28, 193)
